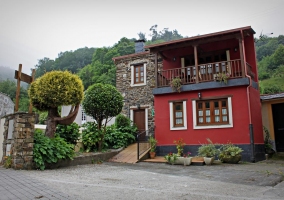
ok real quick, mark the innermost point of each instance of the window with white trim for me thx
(178, 119)
(138, 75)
(212, 113)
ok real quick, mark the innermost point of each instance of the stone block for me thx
(28, 158)
(29, 140)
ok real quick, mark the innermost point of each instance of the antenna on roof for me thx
(262, 37)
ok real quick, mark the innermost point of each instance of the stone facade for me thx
(19, 139)
(6, 105)
(134, 95)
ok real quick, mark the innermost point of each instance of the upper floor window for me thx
(212, 113)
(138, 75)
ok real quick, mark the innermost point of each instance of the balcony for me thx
(206, 72)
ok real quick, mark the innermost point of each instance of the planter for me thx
(152, 155)
(187, 161)
(209, 160)
(232, 159)
(179, 161)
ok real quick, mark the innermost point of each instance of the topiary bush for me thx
(52, 90)
(50, 150)
(69, 132)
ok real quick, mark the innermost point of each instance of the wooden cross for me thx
(25, 78)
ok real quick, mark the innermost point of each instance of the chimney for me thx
(139, 46)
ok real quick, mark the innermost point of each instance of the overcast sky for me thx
(34, 29)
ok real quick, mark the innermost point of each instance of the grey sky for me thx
(34, 29)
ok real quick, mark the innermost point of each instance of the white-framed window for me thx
(212, 113)
(178, 119)
(84, 117)
(138, 75)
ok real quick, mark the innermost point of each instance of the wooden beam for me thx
(18, 88)
(24, 77)
(242, 56)
(156, 70)
(194, 42)
(32, 80)
(196, 64)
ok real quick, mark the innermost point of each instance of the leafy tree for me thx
(102, 102)
(44, 65)
(52, 90)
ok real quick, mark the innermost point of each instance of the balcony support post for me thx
(196, 64)
(156, 70)
(242, 56)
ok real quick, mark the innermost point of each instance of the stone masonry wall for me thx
(19, 136)
(138, 94)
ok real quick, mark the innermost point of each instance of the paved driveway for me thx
(147, 181)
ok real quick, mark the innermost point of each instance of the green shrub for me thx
(42, 117)
(69, 132)
(122, 121)
(91, 135)
(50, 150)
(208, 150)
(229, 150)
(118, 137)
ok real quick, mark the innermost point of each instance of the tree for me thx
(52, 90)
(273, 89)
(102, 102)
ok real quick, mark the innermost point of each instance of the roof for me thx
(237, 30)
(130, 55)
(272, 96)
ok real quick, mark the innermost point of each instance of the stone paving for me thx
(15, 185)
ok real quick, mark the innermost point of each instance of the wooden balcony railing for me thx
(206, 72)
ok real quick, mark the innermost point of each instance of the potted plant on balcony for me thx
(222, 77)
(153, 143)
(230, 153)
(176, 84)
(208, 151)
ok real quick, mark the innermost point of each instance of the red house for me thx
(219, 97)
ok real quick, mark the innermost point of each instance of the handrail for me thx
(143, 141)
(207, 72)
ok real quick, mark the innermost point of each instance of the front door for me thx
(278, 120)
(139, 119)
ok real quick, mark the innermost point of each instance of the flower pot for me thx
(208, 160)
(179, 161)
(232, 159)
(152, 155)
(187, 161)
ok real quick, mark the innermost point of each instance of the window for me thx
(178, 119)
(212, 113)
(83, 117)
(138, 75)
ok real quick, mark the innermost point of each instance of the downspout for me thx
(248, 98)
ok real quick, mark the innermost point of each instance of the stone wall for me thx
(134, 95)
(18, 139)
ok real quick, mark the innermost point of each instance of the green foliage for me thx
(122, 121)
(171, 158)
(164, 35)
(229, 150)
(42, 117)
(153, 143)
(117, 137)
(208, 150)
(54, 89)
(50, 150)
(273, 89)
(69, 132)
(91, 135)
(7, 162)
(176, 84)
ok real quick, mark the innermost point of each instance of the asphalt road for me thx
(149, 181)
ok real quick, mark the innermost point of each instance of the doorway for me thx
(278, 120)
(139, 119)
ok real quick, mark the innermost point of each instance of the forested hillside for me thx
(270, 57)
(95, 65)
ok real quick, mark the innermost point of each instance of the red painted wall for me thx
(256, 116)
(238, 134)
